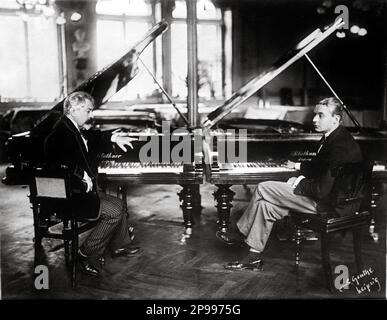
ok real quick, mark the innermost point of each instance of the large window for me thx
(121, 23)
(30, 48)
(209, 35)
(29, 61)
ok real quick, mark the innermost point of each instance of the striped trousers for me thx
(111, 231)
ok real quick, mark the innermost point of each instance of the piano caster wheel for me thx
(184, 238)
(373, 234)
(186, 235)
(188, 232)
(375, 237)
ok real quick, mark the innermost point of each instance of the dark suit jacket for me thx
(338, 149)
(64, 146)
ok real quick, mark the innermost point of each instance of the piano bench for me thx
(325, 226)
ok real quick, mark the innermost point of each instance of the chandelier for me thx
(45, 7)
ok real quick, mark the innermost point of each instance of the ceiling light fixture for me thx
(75, 16)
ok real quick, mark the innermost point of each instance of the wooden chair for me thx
(343, 215)
(51, 201)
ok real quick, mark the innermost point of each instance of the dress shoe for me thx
(252, 261)
(236, 265)
(228, 238)
(86, 267)
(125, 252)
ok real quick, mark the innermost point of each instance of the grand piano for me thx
(266, 144)
(26, 149)
(118, 169)
(162, 158)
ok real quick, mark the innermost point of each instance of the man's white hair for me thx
(77, 99)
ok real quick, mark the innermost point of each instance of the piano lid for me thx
(302, 48)
(105, 83)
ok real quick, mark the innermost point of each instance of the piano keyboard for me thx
(246, 167)
(113, 167)
(379, 167)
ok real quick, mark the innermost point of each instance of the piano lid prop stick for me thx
(165, 93)
(333, 91)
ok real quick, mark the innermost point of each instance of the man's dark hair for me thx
(335, 104)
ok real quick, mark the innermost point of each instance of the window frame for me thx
(124, 19)
(219, 23)
(27, 59)
(164, 71)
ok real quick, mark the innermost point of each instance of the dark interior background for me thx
(354, 65)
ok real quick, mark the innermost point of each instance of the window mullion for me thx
(166, 12)
(223, 57)
(62, 60)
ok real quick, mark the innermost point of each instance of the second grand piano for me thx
(268, 143)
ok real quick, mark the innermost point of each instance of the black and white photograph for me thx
(195, 155)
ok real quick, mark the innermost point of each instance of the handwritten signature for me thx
(369, 281)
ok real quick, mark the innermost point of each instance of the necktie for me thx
(321, 143)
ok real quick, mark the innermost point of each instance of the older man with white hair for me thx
(67, 145)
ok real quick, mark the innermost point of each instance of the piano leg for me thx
(223, 196)
(196, 200)
(186, 197)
